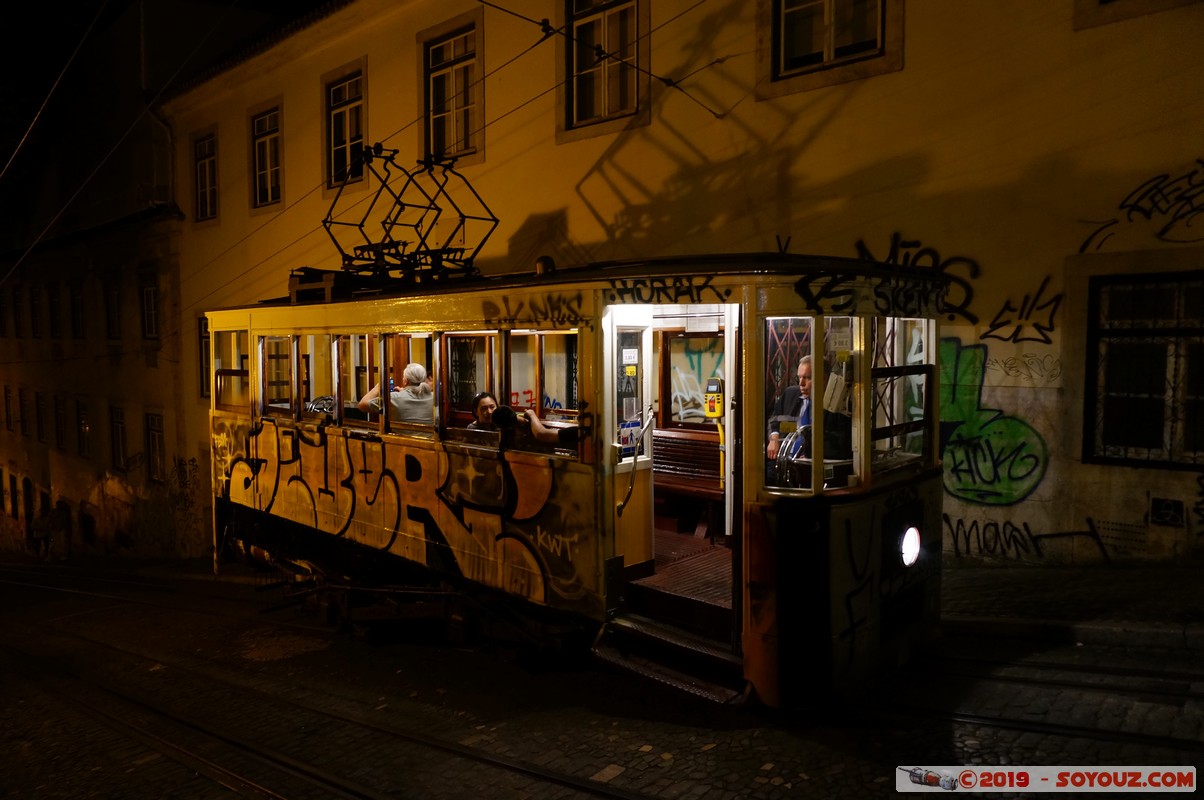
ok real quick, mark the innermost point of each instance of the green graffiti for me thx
(989, 458)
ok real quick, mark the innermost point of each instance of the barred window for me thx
(1145, 371)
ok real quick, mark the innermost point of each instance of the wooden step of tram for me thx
(674, 657)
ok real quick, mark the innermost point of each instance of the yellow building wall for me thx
(1001, 149)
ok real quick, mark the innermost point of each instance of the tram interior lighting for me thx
(909, 545)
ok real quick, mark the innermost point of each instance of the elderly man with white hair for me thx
(412, 401)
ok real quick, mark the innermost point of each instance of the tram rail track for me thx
(115, 707)
(1042, 680)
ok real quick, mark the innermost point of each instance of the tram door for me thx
(628, 415)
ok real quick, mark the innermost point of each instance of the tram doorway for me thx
(673, 383)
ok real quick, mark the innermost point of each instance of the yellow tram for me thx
(657, 520)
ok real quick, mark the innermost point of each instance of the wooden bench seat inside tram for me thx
(688, 493)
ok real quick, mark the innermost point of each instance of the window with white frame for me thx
(156, 454)
(75, 307)
(345, 129)
(265, 158)
(1145, 370)
(807, 44)
(83, 429)
(150, 310)
(117, 436)
(204, 356)
(60, 422)
(205, 159)
(453, 93)
(55, 317)
(1090, 13)
(604, 69)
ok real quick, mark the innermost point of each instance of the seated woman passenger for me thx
(413, 401)
(489, 416)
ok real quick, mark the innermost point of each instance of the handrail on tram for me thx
(631, 483)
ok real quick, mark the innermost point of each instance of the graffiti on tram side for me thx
(557, 309)
(893, 296)
(990, 458)
(865, 569)
(959, 270)
(512, 520)
(678, 289)
(989, 538)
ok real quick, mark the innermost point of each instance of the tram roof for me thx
(312, 286)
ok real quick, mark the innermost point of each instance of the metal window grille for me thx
(1145, 371)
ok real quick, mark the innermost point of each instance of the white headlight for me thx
(909, 546)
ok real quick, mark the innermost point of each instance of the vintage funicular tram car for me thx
(658, 523)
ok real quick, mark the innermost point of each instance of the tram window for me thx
(231, 384)
(903, 378)
(686, 361)
(469, 364)
(357, 374)
(277, 375)
(315, 355)
(412, 409)
(543, 373)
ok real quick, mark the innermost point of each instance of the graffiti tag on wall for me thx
(960, 270)
(1172, 202)
(990, 458)
(1016, 541)
(1032, 320)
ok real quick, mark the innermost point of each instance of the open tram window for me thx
(410, 384)
(231, 381)
(469, 368)
(277, 382)
(543, 373)
(357, 370)
(903, 385)
(316, 359)
(542, 379)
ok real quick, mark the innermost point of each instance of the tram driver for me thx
(413, 401)
(793, 407)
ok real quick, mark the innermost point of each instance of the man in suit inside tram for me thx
(794, 406)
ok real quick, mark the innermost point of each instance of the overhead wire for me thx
(54, 220)
(547, 31)
(50, 93)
